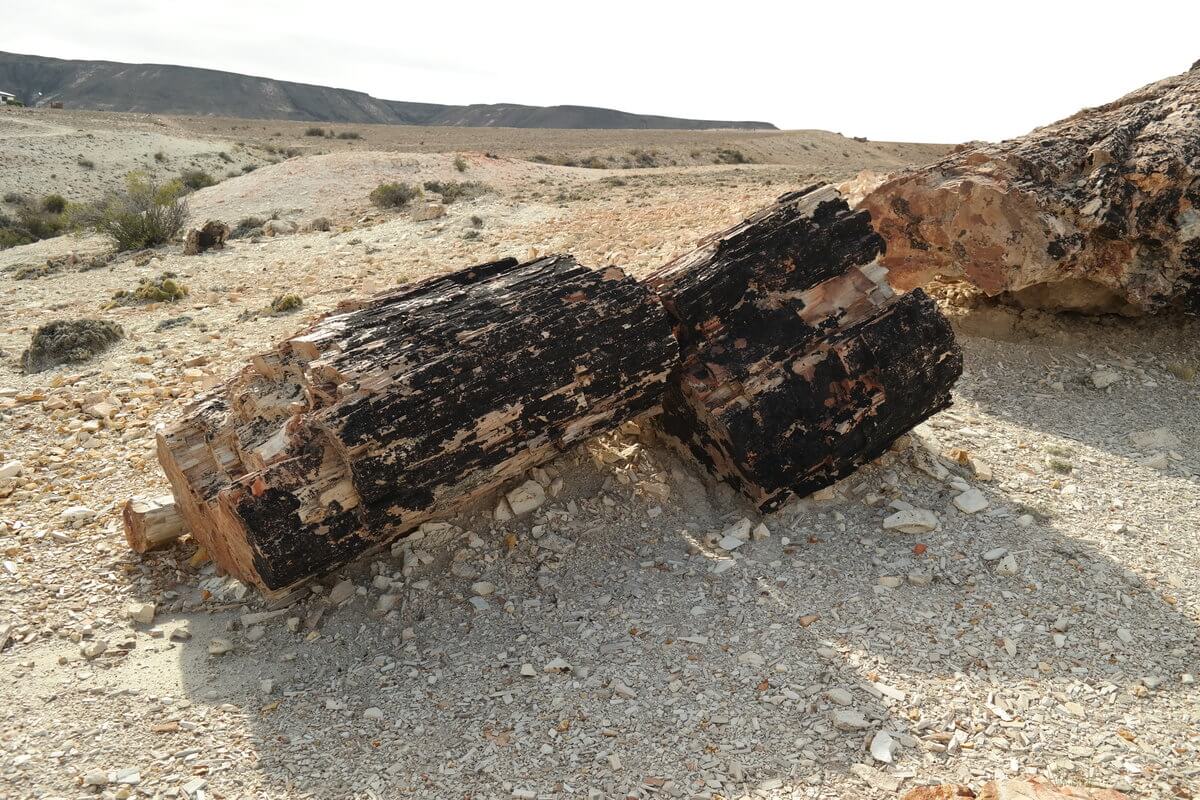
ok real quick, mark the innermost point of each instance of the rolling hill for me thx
(167, 89)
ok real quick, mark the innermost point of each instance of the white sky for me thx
(900, 70)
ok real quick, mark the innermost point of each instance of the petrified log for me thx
(209, 236)
(1097, 212)
(410, 405)
(801, 364)
(152, 522)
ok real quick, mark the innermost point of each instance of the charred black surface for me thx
(412, 404)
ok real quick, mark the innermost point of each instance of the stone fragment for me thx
(11, 469)
(1007, 566)
(891, 581)
(219, 647)
(483, 588)
(730, 543)
(141, 613)
(915, 520)
(849, 719)
(839, 696)
(882, 745)
(1156, 439)
(556, 665)
(526, 497)
(971, 501)
(342, 591)
(740, 530)
(1103, 378)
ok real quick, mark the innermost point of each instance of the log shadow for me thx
(683, 675)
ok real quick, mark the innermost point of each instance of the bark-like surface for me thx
(801, 364)
(209, 236)
(1097, 212)
(152, 523)
(408, 406)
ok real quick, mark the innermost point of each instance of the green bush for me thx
(394, 195)
(460, 163)
(69, 342)
(452, 191)
(314, 131)
(145, 214)
(196, 179)
(54, 203)
(16, 198)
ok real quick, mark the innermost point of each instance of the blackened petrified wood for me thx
(800, 363)
(410, 405)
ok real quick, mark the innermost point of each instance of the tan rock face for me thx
(1097, 212)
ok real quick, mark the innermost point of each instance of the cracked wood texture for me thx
(410, 405)
(1099, 212)
(800, 362)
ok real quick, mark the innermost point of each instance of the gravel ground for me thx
(605, 645)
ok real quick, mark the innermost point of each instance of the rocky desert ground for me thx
(1044, 621)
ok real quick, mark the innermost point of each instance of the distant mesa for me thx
(167, 89)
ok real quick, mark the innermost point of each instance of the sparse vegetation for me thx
(33, 223)
(727, 156)
(247, 226)
(15, 198)
(1182, 371)
(196, 179)
(349, 135)
(394, 195)
(452, 191)
(470, 235)
(163, 289)
(246, 170)
(69, 342)
(225, 157)
(160, 156)
(285, 303)
(477, 220)
(314, 131)
(54, 204)
(86, 163)
(145, 214)
(460, 163)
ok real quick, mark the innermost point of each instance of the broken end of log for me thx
(152, 523)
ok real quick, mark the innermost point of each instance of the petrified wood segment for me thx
(1097, 212)
(152, 522)
(806, 365)
(409, 405)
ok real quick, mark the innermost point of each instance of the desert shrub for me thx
(54, 204)
(31, 224)
(196, 179)
(613, 181)
(594, 162)
(145, 214)
(15, 198)
(86, 163)
(163, 289)
(160, 156)
(246, 170)
(247, 226)
(394, 195)
(727, 156)
(285, 303)
(69, 342)
(460, 163)
(452, 191)
(349, 135)
(314, 131)
(320, 224)
(477, 220)
(225, 157)
(471, 235)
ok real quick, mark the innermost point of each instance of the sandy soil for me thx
(1056, 632)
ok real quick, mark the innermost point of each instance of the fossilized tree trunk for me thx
(800, 363)
(1097, 212)
(410, 405)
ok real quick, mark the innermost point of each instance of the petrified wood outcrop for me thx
(800, 363)
(209, 236)
(152, 522)
(1097, 212)
(409, 405)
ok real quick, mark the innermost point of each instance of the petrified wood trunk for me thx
(409, 405)
(1097, 212)
(801, 363)
(152, 522)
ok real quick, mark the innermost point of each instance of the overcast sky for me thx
(913, 71)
